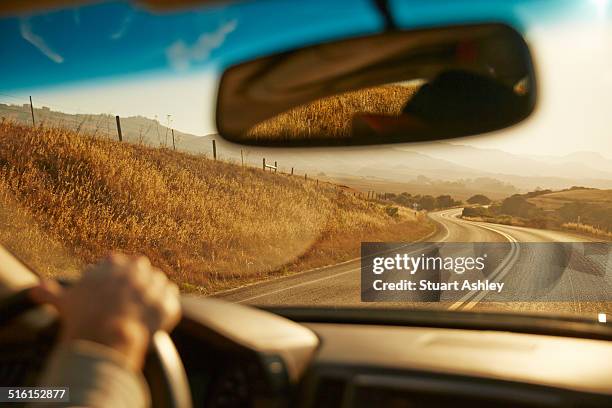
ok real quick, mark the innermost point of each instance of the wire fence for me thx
(137, 129)
(149, 132)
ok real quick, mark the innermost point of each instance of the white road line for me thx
(283, 289)
(331, 266)
(447, 234)
(444, 214)
(472, 298)
(298, 285)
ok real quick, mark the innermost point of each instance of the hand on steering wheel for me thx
(125, 304)
(119, 302)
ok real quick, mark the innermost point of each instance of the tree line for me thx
(423, 202)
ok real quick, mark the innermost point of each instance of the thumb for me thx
(47, 292)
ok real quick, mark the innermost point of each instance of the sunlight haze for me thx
(576, 110)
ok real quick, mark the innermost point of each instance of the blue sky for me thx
(118, 38)
(117, 58)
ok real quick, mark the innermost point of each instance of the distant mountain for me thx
(591, 160)
(430, 167)
(135, 129)
(439, 162)
(576, 166)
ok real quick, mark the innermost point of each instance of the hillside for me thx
(67, 199)
(424, 168)
(135, 129)
(585, 210)
(590, 196)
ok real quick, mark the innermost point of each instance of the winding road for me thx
(522, 269)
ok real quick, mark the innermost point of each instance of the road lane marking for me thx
(325, 277)
(298, 285)
(469, 300)
(447, 234)
(444, 214)
(229, 292)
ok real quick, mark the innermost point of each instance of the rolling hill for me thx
(425, 168)
(67, 199)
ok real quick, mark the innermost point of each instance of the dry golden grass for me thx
(69, 199)
(332, 116)
(555, 200)
(33, 246)
(587, 210)
(587, 229)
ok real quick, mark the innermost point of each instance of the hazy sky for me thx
(574, 68)
(574, 71)
(188, 98)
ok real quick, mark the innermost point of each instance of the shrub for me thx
(479, 199)
(392, 211)
(474, 212)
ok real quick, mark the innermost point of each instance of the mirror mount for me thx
(385, 12)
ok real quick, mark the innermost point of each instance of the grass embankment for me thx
(69, 199)
(332, 116)
(585, 210)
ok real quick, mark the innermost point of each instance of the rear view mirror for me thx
(398, 86)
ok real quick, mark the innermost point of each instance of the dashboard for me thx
(366, 365)
(239, 356)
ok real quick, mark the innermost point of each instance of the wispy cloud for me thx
(25, 28)
(122, 28)
(181, 55)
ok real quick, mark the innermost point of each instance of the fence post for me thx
(241, 158)
(214, 149)
(292, 171)
(173, 144)
(305, 176)
(275, 166)
(264, 164)
(32, 110)
(119, 128)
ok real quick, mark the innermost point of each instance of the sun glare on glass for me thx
(600, 7)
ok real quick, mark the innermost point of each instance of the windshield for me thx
(108, 142)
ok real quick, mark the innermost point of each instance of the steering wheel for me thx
(163, 369)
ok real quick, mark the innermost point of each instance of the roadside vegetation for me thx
(581, 209)
(479, 199)
(423, 202)
(68, 199)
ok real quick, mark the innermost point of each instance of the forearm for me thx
(97, 376)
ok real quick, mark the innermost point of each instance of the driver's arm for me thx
(96, 376)
(108, 319)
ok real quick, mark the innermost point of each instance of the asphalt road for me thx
(522, 269)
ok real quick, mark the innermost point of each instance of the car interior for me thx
(219, 355)
(226, 354)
